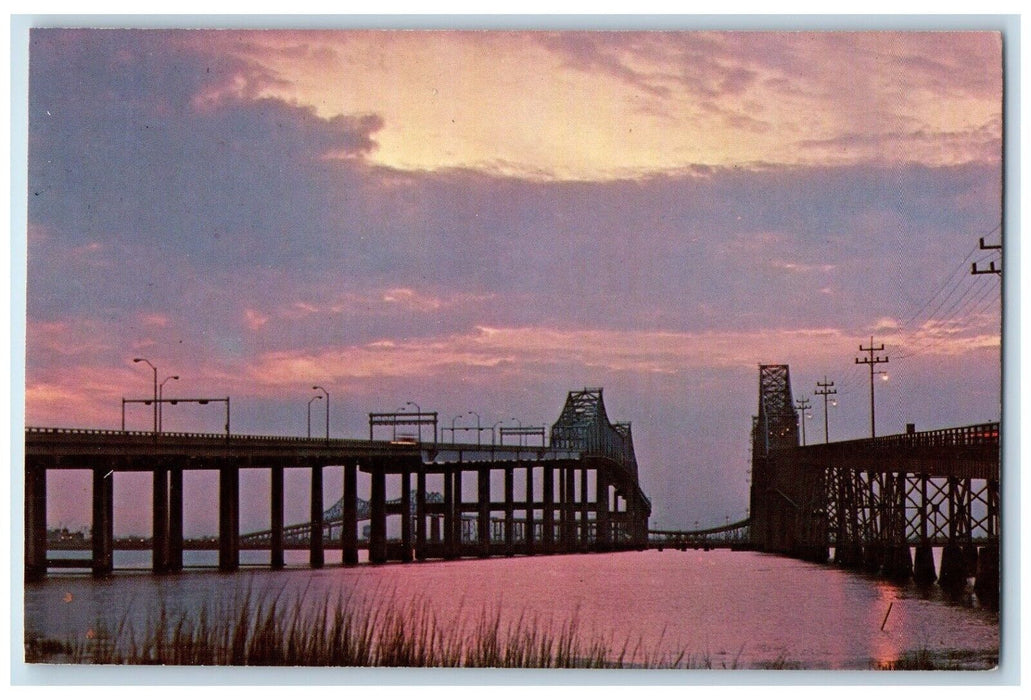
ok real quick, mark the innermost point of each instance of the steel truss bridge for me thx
(880, 503)
(580, 493)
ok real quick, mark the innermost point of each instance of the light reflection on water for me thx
(724, 609)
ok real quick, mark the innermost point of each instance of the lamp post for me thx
(418, 419)
(452, 429)
(161, 392)
(474, 413)
(144, 359)
(319, 388)
(492, 431)
(313, 398)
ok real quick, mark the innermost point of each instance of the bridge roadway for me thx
(875, 499)
(575, 500)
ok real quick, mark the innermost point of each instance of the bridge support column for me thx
(316, 550)
(548, 520)
(528, 530)
(406, 515)
(986, 581)
(378, 517)
(420, 514)
(103, 521)
(175, 519)
(601, 517)
(953, 573)
(276, 555)
(509, 511)
(349, 526)
(228, 519)
(449, 513)
(569, 510)
(483, 512)
(952, 576)
(35, 520)
(585, 529)
(159, 532)
(923, 561)
(923, 565)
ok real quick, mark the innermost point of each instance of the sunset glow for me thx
(486, 220)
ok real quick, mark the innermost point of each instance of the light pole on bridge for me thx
(143, 359)
(319, 388)
(478, 428)
(313, 398)
(161, 392)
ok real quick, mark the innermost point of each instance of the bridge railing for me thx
(969, 435)
(178, 435)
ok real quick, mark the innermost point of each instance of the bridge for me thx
(881, 503)
(580, 493)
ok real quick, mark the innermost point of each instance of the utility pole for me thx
(825, 391)
(803, 406)
(873, 361)
(991, 270)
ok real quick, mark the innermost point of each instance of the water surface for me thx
(717, 609)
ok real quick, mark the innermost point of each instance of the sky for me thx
(484, 221)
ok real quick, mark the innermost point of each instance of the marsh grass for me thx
(265, 630)
(270, 630)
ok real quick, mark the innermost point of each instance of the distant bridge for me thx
(580, 493)
(873, 500)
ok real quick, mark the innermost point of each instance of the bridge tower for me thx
(783, 496)
(584, 425)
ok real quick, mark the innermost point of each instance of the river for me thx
(716, 609)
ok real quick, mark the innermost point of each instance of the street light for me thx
(418, 419)
(313, 398)
(319, 388)
(474, 413)
(161, 391)
(144, 359)
(492, 431)
(453, 429)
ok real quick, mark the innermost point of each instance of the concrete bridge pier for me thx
(848, 555)
(970, 559)
(450, 527)
(103, 521)
(953, 573)
(349, 526)
(378, 517)
(986, 581)
(276, 557)
(420, 515)
(529, 526)
(159, 531)
(601, 517)
(35, 520)
(175, 519)
(548, 534)
(898, 562)
(585, 510)
(483, 512)
(509, 511)
(923, 566)
(406, 515)
(568, 495)
(228, 519)
(316, 550)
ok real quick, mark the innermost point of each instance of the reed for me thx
(265, 630)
